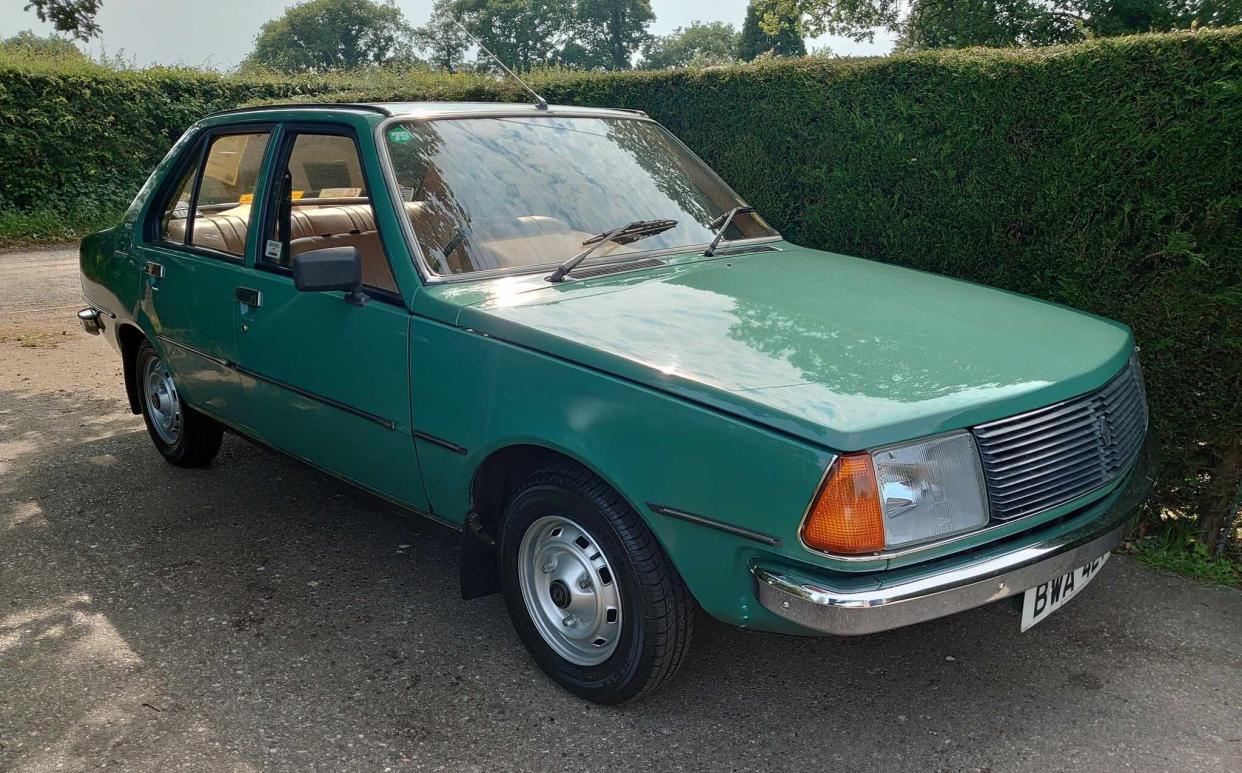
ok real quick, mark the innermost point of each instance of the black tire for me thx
(198, 437)
(657, 610)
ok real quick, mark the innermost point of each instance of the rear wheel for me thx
(591, 593)
(181, 434)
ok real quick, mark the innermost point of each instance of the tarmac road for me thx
(259, 615)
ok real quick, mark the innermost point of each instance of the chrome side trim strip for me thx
(192, 350)
(441, 442)
(711, 523)
(380, 420)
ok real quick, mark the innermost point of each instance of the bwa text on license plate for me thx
(1048, 597)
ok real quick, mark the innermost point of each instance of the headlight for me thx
(898, 496)
(930, 489)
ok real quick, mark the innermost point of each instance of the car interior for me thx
(325, 200)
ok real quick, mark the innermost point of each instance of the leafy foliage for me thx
(442, 40)
(699, 45)
(1104, 175)
(1176, 548)
(577, 34)
(325, 35)
(50, 47)
(781, 36)
(610, 31)
(77, 17)
(523, 33)
(924, 24)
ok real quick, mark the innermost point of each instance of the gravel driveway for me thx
(258, 615)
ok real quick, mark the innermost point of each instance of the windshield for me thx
(494, 193)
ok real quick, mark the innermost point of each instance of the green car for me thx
(558, 331)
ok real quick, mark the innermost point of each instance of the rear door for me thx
(323, 379)
(193, 253)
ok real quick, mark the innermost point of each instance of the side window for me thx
(176, 212)
(226, 192)
(322, 201)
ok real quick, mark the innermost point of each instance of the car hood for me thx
(844, 352)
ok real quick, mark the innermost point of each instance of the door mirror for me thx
(332, 268)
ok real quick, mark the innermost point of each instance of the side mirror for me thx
(332, 268)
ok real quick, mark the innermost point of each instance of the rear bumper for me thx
(816, 605)
(91, 321)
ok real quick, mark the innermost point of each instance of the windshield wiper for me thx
(722, 223)
(630, 232)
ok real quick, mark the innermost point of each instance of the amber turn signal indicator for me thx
(846, 516)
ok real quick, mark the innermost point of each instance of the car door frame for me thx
(283, 138)
(200, 144)
(262, 379)
(182, 356)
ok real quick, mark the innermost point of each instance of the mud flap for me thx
(479, 575)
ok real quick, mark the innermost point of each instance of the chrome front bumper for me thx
(816, 605)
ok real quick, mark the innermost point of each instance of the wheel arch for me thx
(494, 477)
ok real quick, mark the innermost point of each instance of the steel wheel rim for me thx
(163, 404)
(570, 590)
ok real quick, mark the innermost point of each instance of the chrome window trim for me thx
(430, 276)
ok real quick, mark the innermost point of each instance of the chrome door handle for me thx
(248, 296)
(155, 269)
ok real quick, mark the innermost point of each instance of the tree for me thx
(522, 33)
(322, 35)
(699, 45)
(77, 17)
(755, 40)
(610, 31)
(854, 19)
(441, 39)
(959, 23)
(51, 47)
(942, 24)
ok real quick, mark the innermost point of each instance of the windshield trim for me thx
(429, 276)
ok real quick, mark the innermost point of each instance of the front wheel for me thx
(591, 593)
(181, 434)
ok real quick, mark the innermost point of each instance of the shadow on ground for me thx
(257, 614)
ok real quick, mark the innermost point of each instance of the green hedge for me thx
(77, 138)
(1103, 175)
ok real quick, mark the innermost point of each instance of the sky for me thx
(219, 33)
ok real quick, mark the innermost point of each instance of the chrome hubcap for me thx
(570, 590)
(163, 405)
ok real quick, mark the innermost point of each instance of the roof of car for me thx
(438, 109)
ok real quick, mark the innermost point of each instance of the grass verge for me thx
(1173, 549)
(20, 229)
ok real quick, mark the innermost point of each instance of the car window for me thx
(323, 202)
(497, 193)
(176, 212)
(226, 192)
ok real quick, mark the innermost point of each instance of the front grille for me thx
(1052, 455)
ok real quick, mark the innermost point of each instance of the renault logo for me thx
(1106, 432)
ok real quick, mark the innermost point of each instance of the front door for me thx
(324, 379)
(193, 258)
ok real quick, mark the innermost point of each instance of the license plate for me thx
(1048, 597)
